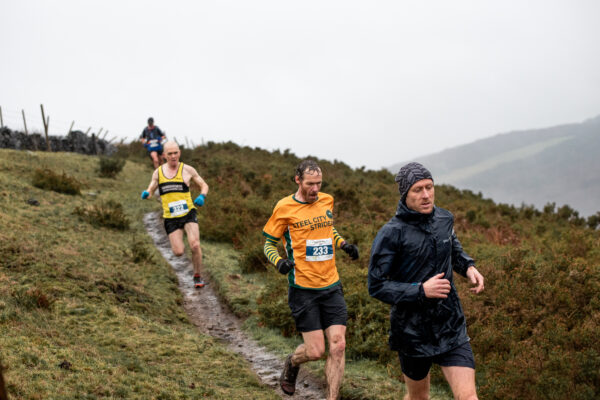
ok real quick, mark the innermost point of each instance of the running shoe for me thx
(198, 282)
(287, 380)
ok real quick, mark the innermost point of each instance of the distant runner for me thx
(315, 296)
(173, 180)
(413, 261)
(153, 138)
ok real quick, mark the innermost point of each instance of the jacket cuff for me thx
(421, 294)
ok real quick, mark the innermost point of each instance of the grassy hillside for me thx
(91, 312)
(539, 166)
(534, 329)
(80, 316)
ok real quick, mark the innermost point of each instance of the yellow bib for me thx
(174, 194)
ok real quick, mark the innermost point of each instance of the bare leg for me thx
(176, 239)
(312, 349)
(193, 235)
(417, 390)
(461, 381)
(154, 157)
(334, 366)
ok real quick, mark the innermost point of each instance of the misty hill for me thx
(560, 164)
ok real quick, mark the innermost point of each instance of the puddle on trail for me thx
(213, 318)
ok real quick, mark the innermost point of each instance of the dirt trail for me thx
(213, 318)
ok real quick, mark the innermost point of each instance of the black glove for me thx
(284, 266)
(351, 249)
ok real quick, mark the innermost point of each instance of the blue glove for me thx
(199, 201)
(145, 195)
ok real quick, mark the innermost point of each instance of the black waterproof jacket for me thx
(407, 251)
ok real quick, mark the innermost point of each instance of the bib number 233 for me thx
(319, 250)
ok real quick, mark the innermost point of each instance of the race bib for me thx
(178, 207)
(319, 250)
(153, 144)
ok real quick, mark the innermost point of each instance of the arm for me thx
(197, 180)
(465, 265)
(152, 186)
(283, 265)
(460, 260)
(339, 241)
(270, 250)
(383, 253)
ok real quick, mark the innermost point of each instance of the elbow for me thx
(373, 287)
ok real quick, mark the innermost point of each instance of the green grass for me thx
(79, 319)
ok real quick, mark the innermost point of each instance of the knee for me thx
(315, 352)
(178, 251)
(195, 246)
(337, 346)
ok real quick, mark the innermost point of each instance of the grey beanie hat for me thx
(410, 174)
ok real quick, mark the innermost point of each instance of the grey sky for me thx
(369, 83)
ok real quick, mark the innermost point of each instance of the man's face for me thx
(172, 153)
(310, 185)
(420, 196)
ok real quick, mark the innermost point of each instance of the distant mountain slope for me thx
(559, 164)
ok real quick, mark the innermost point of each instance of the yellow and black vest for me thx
(175, 194)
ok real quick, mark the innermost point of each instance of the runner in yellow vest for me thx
(173, 181)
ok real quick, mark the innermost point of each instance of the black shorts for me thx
(158, 151)
(317, 309)
(417, 368)
(172, 224)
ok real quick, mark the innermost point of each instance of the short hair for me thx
(306, 165)
(150, 120)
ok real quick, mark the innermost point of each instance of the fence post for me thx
(105, 134)
(1, 121)
(99, 132)
(94, 145)
(46, 122)
(24, 121)
(88, 131)
(71, 128)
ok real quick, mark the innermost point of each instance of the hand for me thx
(351, 249)
(145, 194)
(199, 201)
(476, 279)
(284, 266)
(437, 287)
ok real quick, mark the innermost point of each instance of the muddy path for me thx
(212, 317)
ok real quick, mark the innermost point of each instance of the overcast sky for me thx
(366, 82)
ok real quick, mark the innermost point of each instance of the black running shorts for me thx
(172, 224)
(417, 368)
(317, 309)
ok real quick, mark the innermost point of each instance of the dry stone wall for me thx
(75, 141)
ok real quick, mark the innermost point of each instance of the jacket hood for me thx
(405, 213)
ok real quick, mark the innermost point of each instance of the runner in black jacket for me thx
(411, 267)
